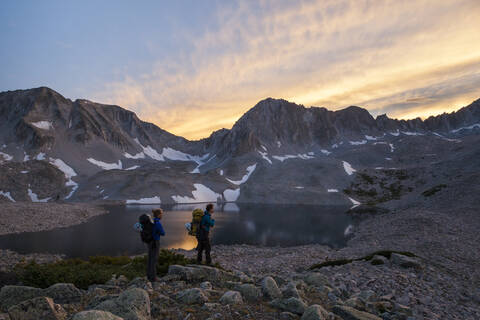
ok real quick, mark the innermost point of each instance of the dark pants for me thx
(204, 244)
(153, 252)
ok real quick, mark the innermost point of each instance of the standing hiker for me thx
(150, 234)
(204, 235)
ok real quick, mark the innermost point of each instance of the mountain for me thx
(277, 152)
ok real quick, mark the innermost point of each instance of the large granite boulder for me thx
(63, 293)
(37, 308)
(12, 295)
(192, 296)
(270, 288)
(132, 304)
(231, 297)
(249, 291)
(315, 312)
(292, 304)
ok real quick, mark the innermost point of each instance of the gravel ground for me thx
(29, 217)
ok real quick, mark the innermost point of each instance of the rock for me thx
(249, 292)
(349, 313)
(63, 293)
(37, 308)
(316, 279)
(121, 281)
(400, 308)
(158, 303)
(242, 277)
(356, 303)
(231, 297)
(195, 272)
(12, 295)
(131, 304)
(4, 316)
(192, 296)
(367, 295)
(95, 315)
(383, 306)
(377, 260)
(141, 283)
(315, 312)
(270, 288)
(211, 306)
(404, 261)
(293, 305)
(288, 316)
(206, 285)
(290, 290)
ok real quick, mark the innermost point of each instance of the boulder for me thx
(292, 304)
(377, 260)
(290, 290)
(199, 273)
(316, 279)
(132, 304)
(141, 283)
(231, 297)
(356, 302)
(159, 303)
(315, 312)
(192, 296)
(120, 281)
(249, 291)
(95, 315)
(206, 285)
(349, 313)
(12, 295)
(37, 308)
(63, 293)
(270, 288)
(288, 316)
(108, 289)
(404, 261)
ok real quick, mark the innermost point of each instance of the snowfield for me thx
(291, 156)
(45, 125)
(105, 165)
(357, 143)
(153, 200)
(231, 195)
(473, 126)
(68, 172)
(348, 168)
(355, 202)
(40, 156)
(133, 168)
(139, 155)
(7, 195)
(6, 157)
(200, 194)
(250, 170)
(325, 152)
(33, 196)
(264, 156)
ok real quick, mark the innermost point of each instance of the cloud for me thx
(390, 56)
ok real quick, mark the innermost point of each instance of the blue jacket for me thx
(157, 229)
(207, 221)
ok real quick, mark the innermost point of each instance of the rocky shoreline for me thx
(31, 217)
(438, 277)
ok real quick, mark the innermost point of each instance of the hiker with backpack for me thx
(203, 235)
(150, 234)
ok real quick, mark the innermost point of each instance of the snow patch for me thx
(68, 172)
(348, 230)
(26, 157)
(264, 156)
(473, 126)
(5, 156)
(139, 155)
(200, 194)
(149, 151)
(264, 148)
(408, 133)
(355, 203)
(334, 146)
(24, 171)
(299, 187)
(348, 168)
(45, 125)
(244, 179)
(396, 134)
(40, 156)
(332, 190)
(231, 195)
(303, 156)
(133, 168)
(279, 144)
(357, 143)
(221, 172)
(105, 165)
(153, 200)
(388, 159)
(7, 195)
(325, 152)
(34, 197)
(371, 138)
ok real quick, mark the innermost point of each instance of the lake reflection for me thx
(268, 225)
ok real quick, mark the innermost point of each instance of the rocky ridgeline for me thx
(202, 292)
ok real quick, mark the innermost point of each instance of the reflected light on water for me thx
(187, 243)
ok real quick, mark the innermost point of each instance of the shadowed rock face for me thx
(277, 152)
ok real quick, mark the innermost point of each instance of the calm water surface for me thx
(268, 225)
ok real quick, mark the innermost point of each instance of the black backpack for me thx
(147, 228)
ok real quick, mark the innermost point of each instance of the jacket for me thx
(157, 229)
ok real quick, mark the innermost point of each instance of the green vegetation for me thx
(386, 253)
(95, 270)
(432, 191)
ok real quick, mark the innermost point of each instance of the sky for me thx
(192, 67)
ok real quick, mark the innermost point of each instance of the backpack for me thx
(147, 228)
(197, 216)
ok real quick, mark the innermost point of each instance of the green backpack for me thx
(197, 216)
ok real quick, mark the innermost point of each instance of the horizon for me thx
(192, 68)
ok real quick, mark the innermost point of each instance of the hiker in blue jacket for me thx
(154, 246)
(204, 235)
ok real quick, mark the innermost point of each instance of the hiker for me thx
(154, 244)
(204, 235)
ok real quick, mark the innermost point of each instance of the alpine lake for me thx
(253, 224)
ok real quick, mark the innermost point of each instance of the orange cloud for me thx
(398, 57)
